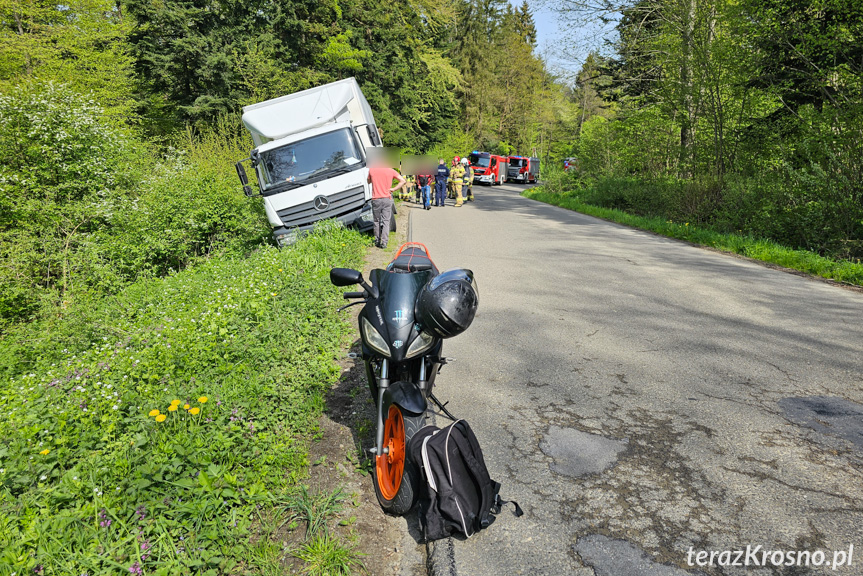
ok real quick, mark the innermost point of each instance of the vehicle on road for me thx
(488, 168)
(523, 169)
(517, 169)
(409, 308)
(310, 158)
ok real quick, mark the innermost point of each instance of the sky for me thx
(563, 46)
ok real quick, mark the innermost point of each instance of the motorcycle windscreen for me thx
(397, 302)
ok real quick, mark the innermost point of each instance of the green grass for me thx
(91, 483)
(756, 248)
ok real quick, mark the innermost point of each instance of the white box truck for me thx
(310, 158)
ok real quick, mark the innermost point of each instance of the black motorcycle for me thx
(409, 308)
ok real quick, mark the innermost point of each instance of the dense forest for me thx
(119, 121)
(744, 116)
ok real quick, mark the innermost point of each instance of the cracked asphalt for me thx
(640, 398)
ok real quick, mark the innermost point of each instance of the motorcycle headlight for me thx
(374, 339)
(420, 344)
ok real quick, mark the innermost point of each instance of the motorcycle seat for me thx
(412, 257)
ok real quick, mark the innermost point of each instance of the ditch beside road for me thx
(642, 398)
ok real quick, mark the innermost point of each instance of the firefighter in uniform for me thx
(458, 181)
(450, 183)
(408, 190)
(467, 185)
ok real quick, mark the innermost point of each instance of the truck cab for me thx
(311, 158)
(517, 169)
(488, 168)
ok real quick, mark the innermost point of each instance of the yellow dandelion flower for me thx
(160, 418)
(194, 411)
(172, 408)
(154, 412)
(175, 402)
(202, 399)
(44, 452)
(185, 406)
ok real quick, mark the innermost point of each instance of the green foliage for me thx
(81, 44)
(88, 208)
(740, 116)
(326, 556)
(89, 482)
(67, 171)
(751, 246)
(191, 206)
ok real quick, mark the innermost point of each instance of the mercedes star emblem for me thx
(321, 203)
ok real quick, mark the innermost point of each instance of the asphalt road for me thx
(645, 400)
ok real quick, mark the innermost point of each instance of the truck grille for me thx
(341, 204)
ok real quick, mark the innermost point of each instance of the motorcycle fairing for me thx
(392, 314)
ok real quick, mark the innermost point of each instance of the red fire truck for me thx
(523, 169)
(488, 168)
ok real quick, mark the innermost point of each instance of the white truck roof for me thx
(336, 102)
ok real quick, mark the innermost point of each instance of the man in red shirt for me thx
(381, 177)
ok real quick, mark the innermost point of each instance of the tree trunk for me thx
(687, 126)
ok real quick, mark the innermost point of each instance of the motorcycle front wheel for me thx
(396, 477)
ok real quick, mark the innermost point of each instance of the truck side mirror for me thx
(244, 180)
(374, 137)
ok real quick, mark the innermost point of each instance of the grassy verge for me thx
(759, 249)
(158, 430)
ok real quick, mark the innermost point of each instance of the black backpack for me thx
(458, 496)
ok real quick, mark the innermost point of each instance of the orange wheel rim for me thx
(390, 466)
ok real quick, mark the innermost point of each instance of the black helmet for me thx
(447, 303)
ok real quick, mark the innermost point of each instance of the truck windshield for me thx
(517, 162)
(316, 156)
(481, 161)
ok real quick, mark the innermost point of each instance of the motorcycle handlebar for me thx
(348, 295)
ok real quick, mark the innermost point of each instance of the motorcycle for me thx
(409, 308)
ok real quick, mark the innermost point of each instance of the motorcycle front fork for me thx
(383, 384)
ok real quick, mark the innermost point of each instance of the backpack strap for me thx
(499, 502)
(468, 446)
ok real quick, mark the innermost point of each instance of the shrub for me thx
(143, 435)
(66, 169)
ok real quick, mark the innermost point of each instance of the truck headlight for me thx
(287, 239)
(421, 343)
(366, 215)
(374, 339)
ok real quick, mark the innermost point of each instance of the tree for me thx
(80, 43)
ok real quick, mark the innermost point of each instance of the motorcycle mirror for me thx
(345, 277)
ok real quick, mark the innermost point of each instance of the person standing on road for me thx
(450, 185)
(441, 176)
(381, 178)
(467, 186)
(424, 183)
(458, 180)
